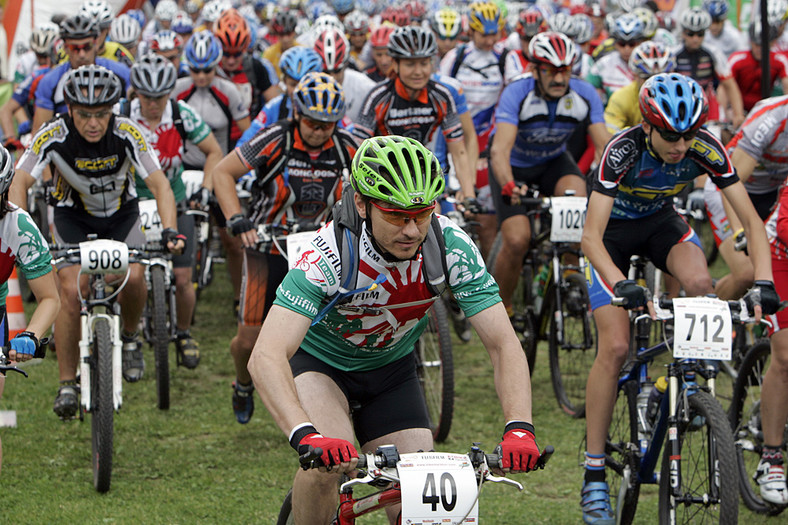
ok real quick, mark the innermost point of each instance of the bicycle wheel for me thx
(286, 510)
(435, 370)
(621, 454)
(745, 418)
(160, 335)
(573, 348)
(102, 412)
(708, 491)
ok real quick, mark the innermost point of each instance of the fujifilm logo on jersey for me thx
(617, 154)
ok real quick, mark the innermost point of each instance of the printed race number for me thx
(150, 220)
(569, 216)
(437, 486)
(104, 256)
(703, 328)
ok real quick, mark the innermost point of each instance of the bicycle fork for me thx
(87, 325)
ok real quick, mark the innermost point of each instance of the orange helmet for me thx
(232, 30)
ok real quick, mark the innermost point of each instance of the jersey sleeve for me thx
(620, 155)
(263, 149)
(721, 68)
(512, 97)
(594, 76)
(45, 91)
(367, 117)
(195, 127)
(142, 156)
(708, 152)
(33, 257)
(36, 157)
(451, 125)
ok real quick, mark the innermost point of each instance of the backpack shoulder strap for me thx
(247, 63)
(458, 59)
(347, 229)
(502, 61)
(434, 265)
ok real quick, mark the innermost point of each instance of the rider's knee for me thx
(698, 284)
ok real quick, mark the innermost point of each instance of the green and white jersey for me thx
(373, 328)
(22, 245)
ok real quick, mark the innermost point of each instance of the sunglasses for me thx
(207, 70)
(87, 115)
(401, 218)
(672, 136)
(629, 43)
(234, 55)
(695, 33)
(317, 125)
(87, 47)
(553, 71)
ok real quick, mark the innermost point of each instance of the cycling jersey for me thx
(747, 73)
(263, 76)
(389, 111)
(357, 87)
(454, 86)
(516, 64)
(375, 75)
(24, 94)
(481, 77)
(118, 53)
(623, 108)
(610, 73)
(642, 184)
(23, 245)
(26, 64)
(292, 184)
(49, 93)
(168, 144)
(378, 327)
(776, 229)
(729, 41)
(92, 177)
(273, 54)
(220, 105)
(545, 126)
(709, 67)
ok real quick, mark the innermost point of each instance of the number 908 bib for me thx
(437, 486)
(104, 256)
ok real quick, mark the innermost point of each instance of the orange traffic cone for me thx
(13, 304)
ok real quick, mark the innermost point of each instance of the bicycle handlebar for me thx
(41, 352)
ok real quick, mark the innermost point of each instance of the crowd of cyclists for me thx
(368, 114)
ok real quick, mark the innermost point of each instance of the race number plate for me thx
(297, 244)
(569, 216)
(151, 222)
(703, 328)
(192, 179)
(104, 256)
(437, 486)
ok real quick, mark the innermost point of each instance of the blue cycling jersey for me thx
(642, 183)
(49, 94)
(544, 126)
(271, 112)
(460, 100)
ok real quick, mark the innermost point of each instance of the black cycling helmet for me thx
(77, 27)
(92, 86)
(153, 76)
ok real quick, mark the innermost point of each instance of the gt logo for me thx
(708, 153)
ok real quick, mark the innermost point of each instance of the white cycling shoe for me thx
(771, 480)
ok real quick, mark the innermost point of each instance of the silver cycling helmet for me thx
(153, 76)
(92, 86)
(100, 11)
(412, 42)
(695, 19)
(125, 31)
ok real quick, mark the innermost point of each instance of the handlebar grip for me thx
(494, 460)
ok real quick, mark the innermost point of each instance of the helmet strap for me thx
(388, 257)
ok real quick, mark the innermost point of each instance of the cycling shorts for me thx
(385, 400)
(72, 226)
(652, 236)
(545, 176)
(720, 226)
(186, 227)
(262, 274)
(780, 275)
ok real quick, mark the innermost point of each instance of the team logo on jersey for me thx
(44, 138)
(135, 134)
(102, 164)
(568, 103)
(619, 152)
(711, 155)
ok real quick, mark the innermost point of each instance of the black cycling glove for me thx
(201, 198)
(633, 294)
(764, 294)
(239, 223)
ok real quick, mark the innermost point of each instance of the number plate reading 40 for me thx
(703, 328)
(437, 486)
(569, 216)
(104, 256)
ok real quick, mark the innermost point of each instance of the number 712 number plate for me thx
(437, 486)
(703, 329)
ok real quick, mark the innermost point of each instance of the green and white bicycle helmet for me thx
(397, 170)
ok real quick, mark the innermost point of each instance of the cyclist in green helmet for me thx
(355, 304)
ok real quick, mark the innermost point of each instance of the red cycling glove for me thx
(519, 451)
(335, 451)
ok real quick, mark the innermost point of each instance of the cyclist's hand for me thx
(472, 207)
(23, 347)
(512, 191)
(336, 452)
(762, 295)
(696, 202)
(518, 450)
(632, 295)
(174, 241)
(240, 226)
(200, 199)
(13, 143)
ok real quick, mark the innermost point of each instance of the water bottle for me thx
(655, 399)
(539, 286)
(644, 429)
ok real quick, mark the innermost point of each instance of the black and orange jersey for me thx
(389, 111)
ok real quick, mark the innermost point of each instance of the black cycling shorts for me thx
(652, 236)
(73, 226)
(381, 401)
(544, 177)
(186, 227)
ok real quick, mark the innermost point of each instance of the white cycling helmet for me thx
(165, 10)
(695, 19)
(99, 11)
(43, 38)
(6, 170)
(125, 30)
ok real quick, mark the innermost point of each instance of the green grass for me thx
(195, 464)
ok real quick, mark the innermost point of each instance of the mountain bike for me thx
(100, 345)
(745, 419)
(205, 256)
(698, 480)
(433, 487)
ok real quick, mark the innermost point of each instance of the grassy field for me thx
(195, 464)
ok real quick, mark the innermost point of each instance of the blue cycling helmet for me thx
(298, 61)
(203, 50)
(718, 9)
(320, 97)
(182, 24)
(673, 102)
(628, 27)
(343, 7)
(138, 15)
